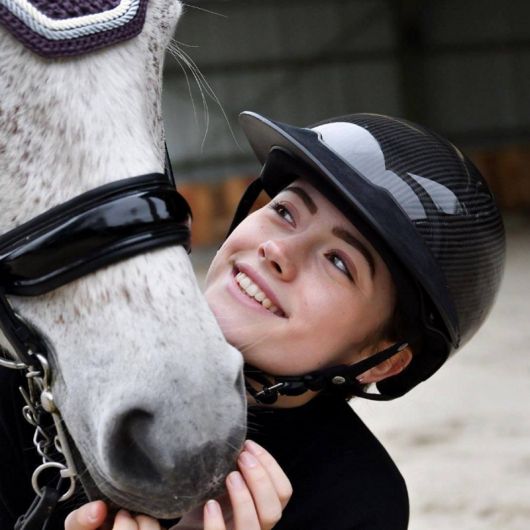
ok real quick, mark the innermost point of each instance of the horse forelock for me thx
(62, 28)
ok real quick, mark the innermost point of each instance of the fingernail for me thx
(247, 459)
(213, 508)
(92, 512)
(124, 513)
(236, 480)
(253, 447)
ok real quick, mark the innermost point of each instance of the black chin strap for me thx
(336, 376)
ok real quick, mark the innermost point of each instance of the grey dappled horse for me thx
(147, 387)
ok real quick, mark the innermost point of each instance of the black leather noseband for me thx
(95, 229)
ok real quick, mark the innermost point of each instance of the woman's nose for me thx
(277, 259)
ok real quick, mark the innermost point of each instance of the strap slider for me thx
(268, 390)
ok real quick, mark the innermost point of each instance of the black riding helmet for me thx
(425, 208)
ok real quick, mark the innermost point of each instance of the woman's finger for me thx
(244, 510)
(261, 487)
(147, 523)
(213, 516)
(89, 517)
(281, 483)
(124, 521)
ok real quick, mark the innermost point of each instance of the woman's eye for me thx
(283, 212)
(339, 263)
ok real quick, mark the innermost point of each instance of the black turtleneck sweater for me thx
(342, 477)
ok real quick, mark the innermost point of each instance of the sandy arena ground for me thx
(462, 439)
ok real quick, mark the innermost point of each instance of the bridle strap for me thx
(39, 511)
(24, 340)
(95, 229)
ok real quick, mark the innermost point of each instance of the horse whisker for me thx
(206, 10)
(204, 87)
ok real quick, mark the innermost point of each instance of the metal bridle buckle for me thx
(65, 472)
(8, 360)
(40, 399)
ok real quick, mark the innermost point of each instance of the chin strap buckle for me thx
(269, 390)
(285, 385)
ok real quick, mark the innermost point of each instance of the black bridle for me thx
(95, 229)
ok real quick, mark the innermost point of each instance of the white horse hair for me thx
(147, 386)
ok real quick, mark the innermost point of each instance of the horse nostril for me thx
(130, 453)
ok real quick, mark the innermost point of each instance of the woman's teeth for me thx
(252, 290)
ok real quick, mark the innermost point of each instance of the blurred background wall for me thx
(461, 67)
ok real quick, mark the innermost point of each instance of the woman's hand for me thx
(257, 495)
(92, 516)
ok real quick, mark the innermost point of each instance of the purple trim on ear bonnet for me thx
(61, 9)
(62, 28)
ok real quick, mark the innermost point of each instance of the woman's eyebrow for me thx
(307, 200)
(354, 242)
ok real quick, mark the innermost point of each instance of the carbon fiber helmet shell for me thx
(417, 194)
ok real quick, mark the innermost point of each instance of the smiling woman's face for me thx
(296, 287)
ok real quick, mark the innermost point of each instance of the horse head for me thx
(150, 392)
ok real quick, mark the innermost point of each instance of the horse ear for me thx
(393, 366)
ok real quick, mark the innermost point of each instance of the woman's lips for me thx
(243, 298)
(254, 290)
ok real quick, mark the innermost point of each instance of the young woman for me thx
(379, 256)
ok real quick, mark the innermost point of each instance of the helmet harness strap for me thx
(246, 203)
(335, 376)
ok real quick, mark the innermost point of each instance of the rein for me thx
(95, 229)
